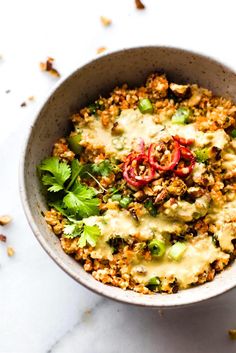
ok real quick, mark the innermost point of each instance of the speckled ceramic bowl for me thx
(82, 87)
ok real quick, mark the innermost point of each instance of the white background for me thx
(41, 308)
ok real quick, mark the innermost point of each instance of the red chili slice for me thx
(182, 169)
(183, 141)
(137, 170)
(174, 157)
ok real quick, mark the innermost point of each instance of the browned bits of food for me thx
(232, 334)
(10, 251)
(62, 150)
(106, 22)
(145, 182)
(3, 238)
(55, 220)
(179, 90)
(101, 50)
(161, 196)
(157, 85)
(47, 66)
(29, 99)
(177, 187)
(5, 220)
(139, 5)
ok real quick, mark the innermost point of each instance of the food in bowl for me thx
(142, 192)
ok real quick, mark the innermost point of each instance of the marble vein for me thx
(86, 315)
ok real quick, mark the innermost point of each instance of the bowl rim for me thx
(27, 210)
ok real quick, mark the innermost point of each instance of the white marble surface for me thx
(41, 308)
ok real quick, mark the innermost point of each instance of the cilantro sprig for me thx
(71, 197)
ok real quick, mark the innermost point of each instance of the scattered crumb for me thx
(106, 22)
(8, 91)
(47, 66)
(101, 50)
(160, 312)
(29, 99)
(232, 334)
(5, 220)
(87, 315)
(139, 5)
(10, 251)
(88, 312)
(3, 238)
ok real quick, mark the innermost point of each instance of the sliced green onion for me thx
(176, 251)
(157, 247)
(116, 197)
(73, 142)
(233, 133)
(118, 143)
(181, 116)
(149, 205)
(154, 284)
(202, 155)
(125, 201)
(145, 106)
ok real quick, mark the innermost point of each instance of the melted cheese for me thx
(218, 138)
(186, 211)
(225, 220)
(122, 224)
(134, 125)
(225, 235)
(229, 161)
(200, 252)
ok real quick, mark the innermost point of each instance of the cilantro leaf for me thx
(81, 201)
(60, 172)
(49, 180)
(80, 205)
(73, 230)
(103, 168)
(90, 208)
(89, 235)
(83, 191)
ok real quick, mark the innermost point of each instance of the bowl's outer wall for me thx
(81, 88)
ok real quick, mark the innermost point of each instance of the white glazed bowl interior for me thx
(100, 76)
